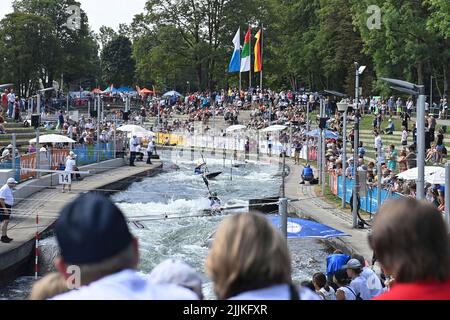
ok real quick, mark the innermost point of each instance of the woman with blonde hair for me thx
(249, 260)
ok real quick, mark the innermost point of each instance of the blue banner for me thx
(301, 228)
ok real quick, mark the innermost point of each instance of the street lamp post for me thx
(415, 90)
(358, 71)
(343, 107)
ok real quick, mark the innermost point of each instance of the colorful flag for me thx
(245, 60)
(258, 58)
(235, 63)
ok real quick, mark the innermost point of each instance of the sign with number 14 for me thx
(65, 178)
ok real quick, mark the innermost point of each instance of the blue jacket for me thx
(335, 262)
(308, 172)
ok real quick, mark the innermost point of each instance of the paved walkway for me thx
(48, 202)
(313, 206)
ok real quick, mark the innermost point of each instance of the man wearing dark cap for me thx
(93, 235)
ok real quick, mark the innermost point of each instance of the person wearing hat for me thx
(179, 273)
(7, 152)
(134, 147)
(6, 203)
(93, 235)
(71, 166)
(358, 283)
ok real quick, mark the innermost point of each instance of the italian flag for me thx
(246, 60)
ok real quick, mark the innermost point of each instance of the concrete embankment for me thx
(311, 206)
(43, 197)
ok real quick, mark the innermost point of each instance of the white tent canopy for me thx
(436, 178)
(412, 174)
(274, 128)
(53, 138)
(236, 128)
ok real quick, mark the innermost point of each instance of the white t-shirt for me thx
(277, 292)
(134, 145)
(378, 142)
(5, 153)
(349, 294)
(373, 282)
(7, 195)
(128, 285)
(70, 164)
(359, 285)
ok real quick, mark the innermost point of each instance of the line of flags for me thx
(241, 61)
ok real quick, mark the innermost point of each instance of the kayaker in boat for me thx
(200, 168)
(215, 201)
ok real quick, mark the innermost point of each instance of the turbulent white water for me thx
(179, 193)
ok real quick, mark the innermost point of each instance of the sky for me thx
(109, 13)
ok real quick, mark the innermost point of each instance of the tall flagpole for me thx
(262, 48)
(250, 52)
(240, 83)
(240, 64)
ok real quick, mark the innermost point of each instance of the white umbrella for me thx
(436, 178)
(236, 128)
(53, 138)
(412, 174)
(276, 127)
(132, 128)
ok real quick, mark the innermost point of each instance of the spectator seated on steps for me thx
(390, 128)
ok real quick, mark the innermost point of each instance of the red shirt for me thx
(428, 290)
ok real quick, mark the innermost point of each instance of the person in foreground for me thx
(411, 241)
(93, 237)
(249, 260)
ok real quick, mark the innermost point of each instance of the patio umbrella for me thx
(437, 177)
(276, 127)
(132, 128)
(145, 91)
(4, 86)
(328, 134)
(235, 128)
(142, 134)
(171, 94)
(53, 138)
(412, 174)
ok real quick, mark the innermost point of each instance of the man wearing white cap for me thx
(6, 203)
(134, 148)
(71, 166)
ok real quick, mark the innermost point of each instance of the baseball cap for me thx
(352, 264)
(177, 272)
(91, 229)
(9, 146)
(11, 181)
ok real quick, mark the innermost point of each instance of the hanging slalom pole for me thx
(36, 251)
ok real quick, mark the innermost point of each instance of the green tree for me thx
(117, 62)
(25, 39)
(74, 52)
